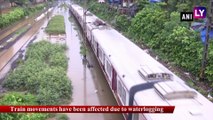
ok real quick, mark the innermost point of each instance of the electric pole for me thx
(206, 46)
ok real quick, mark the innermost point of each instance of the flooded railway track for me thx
(7, 54)
(89, 84)
(8, 41)
(14, 27)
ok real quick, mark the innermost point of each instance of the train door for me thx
(88, 34)
(95, 47)
(103, 61)
(114, 80)
(108, 68)
(101, 56)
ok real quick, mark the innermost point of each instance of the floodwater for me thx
(89, 84)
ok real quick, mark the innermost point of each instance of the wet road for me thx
(89, 84)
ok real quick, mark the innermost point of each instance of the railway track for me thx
(12, 28)
(7, 54)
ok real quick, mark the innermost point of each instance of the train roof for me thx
(126, 56)
(128, 60)
(90, 17)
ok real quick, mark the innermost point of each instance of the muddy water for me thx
(89, 84)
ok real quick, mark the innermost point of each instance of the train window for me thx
(135, 116)
(123, 95)
(95, 47)
(92, 37)
(93, 44)
(119, 87)
(103, 58)
(88, 33)
(121, 92)
(108, 69)
(101, 55)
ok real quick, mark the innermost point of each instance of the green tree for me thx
(122, 23)
(142, 4)
(209, 68)
(147, 23)
(168, 26)
(183, 47)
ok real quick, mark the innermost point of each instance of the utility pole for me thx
(206, 46)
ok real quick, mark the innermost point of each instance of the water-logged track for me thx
(89, 84)
(10, 29)
(7, 54)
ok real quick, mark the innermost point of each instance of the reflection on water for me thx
(89, 84)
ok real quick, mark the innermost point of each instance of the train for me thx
(127, 66)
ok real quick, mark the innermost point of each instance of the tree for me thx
(147, 23)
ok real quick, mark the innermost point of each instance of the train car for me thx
(125, 66)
